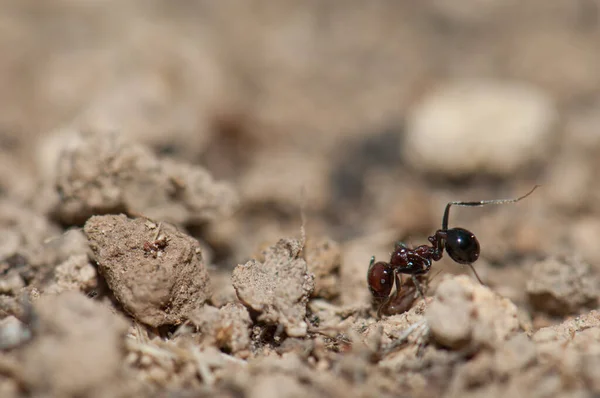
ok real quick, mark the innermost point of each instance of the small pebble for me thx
(474, 126)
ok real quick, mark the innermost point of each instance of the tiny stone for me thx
(474, 126)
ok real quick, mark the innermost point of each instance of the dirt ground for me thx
(191, 193)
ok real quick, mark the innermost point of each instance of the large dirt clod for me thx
(466, 313)
(278, 288)
(156, 272)
(100, 173)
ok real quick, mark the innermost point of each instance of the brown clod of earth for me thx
(76, 273)
(155, 271)
(323, 258)
(77, 350)
(562, 286)
(22, 229)
(465, 312)
(226, 327)
(277, 288)
(101, 173)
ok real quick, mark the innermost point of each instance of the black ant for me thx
(460, 244)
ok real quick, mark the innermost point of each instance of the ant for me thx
(460, 244)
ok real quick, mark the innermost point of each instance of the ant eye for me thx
(380, 280)
(462, 245)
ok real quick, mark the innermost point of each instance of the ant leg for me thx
(393, 296)
(418, 286)
(400, 245)
(398, 280)
(425, 263)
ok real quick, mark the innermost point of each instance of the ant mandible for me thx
(460, 244)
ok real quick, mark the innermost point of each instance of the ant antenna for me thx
(435, 275)
(479, 204)
(476, 274)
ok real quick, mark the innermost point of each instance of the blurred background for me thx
(366, 116)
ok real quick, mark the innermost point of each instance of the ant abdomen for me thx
(461, 245)
(380, 277)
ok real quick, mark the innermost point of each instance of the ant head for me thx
(462, 245)
(380, 278)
